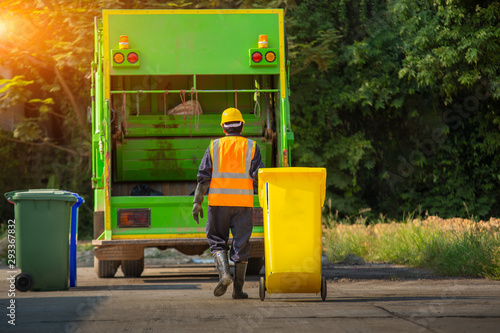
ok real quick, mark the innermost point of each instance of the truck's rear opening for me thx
(152, 145)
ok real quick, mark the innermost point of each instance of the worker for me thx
(230, 169)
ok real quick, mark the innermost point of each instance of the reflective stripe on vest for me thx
(231, 183)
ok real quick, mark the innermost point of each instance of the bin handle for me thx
(73, 239)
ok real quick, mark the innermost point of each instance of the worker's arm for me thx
(205, 170)
(204, 176)
(254, 168)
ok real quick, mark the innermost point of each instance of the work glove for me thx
(198, 199)
(197, 210)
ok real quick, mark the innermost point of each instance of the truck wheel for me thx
(254, 266)
(133, 268)
(105, 268)
(23, 282)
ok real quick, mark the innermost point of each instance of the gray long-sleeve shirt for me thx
(205, 170)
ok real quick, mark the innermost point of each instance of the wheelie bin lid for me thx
(40, 194)
(283, 177)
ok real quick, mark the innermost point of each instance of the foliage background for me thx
(398, 99)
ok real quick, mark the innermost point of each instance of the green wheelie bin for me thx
(42, 219)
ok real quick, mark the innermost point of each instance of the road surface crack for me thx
(404, 318)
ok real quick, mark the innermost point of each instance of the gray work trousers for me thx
(221, 219)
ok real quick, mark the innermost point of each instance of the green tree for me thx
(451, 48)
(397, 99)
(48, 46)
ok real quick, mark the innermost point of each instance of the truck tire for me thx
(133, 268)
(254, 265)
(105, 268)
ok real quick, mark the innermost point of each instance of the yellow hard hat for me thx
(231, 114)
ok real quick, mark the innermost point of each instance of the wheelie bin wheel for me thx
(262, 288)
(24, 282)
(323, 288)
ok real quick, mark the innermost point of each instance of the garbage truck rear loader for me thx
(160, 80)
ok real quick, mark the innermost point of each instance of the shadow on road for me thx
(376, 272)
(61, 314)
(405, 299)
(168, 285)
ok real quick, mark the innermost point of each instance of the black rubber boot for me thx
(222, 264)
(240, 269)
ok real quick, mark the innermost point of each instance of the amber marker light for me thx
(270, 56)
(118, 58)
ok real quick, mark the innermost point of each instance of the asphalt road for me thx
(178, 298)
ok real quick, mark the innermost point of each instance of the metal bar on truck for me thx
(199, 91)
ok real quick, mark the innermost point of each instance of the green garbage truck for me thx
(160, 81)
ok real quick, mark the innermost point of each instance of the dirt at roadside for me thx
(332, 271)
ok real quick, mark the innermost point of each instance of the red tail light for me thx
(258, 217)
(257, 57)
(132, 57)
(134, 218)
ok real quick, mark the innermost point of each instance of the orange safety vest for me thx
(231, 183)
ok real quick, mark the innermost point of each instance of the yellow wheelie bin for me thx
(291, 199)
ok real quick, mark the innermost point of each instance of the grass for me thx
(453, 247)
(84, 246)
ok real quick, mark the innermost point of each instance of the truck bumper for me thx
(133, 249)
